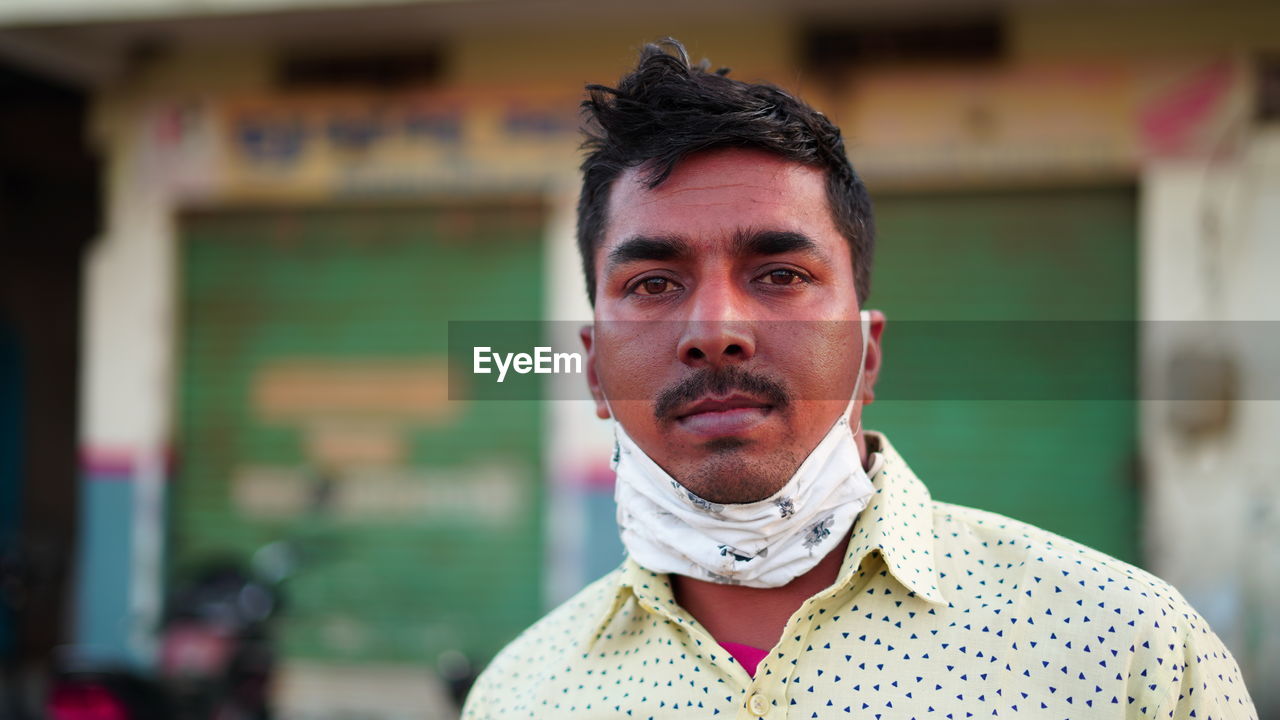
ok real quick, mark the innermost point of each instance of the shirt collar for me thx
(897, 523)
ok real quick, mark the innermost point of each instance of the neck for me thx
(757, 616)
(754, 616)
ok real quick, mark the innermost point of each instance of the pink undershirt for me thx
(748, 657)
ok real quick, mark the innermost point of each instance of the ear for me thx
(875, 357)
(587, 334)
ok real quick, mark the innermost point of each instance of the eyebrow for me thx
(775, 242)
(665, 248)
(643, 247)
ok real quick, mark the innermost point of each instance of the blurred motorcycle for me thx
(216, 656)
(216, 653)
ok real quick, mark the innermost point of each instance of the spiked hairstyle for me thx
(667, 108)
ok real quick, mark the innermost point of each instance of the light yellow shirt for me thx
(939, 612)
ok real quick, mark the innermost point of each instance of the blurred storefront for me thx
(301, 195)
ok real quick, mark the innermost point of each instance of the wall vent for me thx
(382, 70)
(839, 49)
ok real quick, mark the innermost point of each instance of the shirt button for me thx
(758, 705)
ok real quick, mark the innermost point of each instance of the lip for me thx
(737, 401)
(722, 417)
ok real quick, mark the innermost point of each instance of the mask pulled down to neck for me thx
(763, 544)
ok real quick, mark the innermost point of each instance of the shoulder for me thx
(1000, 545)
(1078, 607)
(543, 648)
(1053, 569)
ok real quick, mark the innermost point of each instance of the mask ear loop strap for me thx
(865, 321)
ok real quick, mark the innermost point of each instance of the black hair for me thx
(667, 108)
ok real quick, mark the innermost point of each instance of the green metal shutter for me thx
(1065, 464)
(313, 410)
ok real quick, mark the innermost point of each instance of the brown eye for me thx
(655, 286)
(783, 277)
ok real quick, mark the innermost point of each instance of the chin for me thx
(740, 477)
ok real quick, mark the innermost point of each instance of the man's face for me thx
(726, 337)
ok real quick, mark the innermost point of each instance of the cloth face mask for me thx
(764, 544)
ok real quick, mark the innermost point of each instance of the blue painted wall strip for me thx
(105, 567)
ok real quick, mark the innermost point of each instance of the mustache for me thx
(719, 381)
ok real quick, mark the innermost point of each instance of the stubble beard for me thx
(731, 475)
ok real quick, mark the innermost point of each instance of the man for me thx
(782, 561)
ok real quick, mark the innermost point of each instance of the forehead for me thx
(710, 195)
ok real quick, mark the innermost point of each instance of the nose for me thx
(716, 332)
